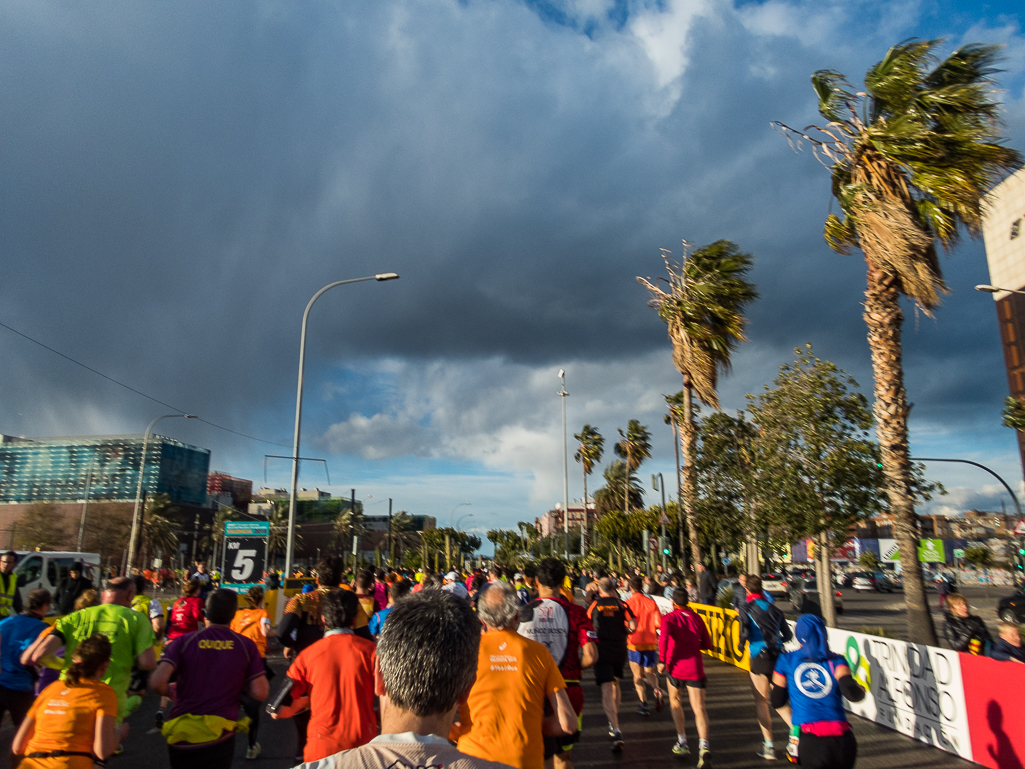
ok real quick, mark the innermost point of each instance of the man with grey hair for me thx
(426, 664)
(504, 716)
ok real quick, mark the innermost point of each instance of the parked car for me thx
(873, 580)
(729, 583)
(804, 597)
(774, 583)
(1012, 608)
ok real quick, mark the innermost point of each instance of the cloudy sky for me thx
(177, 179)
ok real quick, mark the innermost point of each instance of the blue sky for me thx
(179, 179)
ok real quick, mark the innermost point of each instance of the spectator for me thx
(396, 591)
(74, 719)
(17, 633)
(683, 638)
(10, 596)
(965, 631)
(612, 620)
(204, 578)
(130, 634)
(454, 586)
(70, 588)
(187, 611)
(334, 678)
(1007, 648)
(820, 680)
(942, 589)
(253, 623)
(764, 629)
(642, 645)
(692, 591)
(503, 718)
(214, 667)
(706, 585)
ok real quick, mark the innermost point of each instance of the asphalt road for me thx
(649, 739)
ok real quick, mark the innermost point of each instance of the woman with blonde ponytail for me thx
(72, 722)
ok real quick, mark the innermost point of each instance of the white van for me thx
(47, 568)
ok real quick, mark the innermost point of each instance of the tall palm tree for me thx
(634, 446)
(588, 454)
(911, 158)
(612, 522)
(702, 303)
(674, 403)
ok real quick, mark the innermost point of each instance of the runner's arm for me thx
(147, 660)
(258, 688)
(42, 646)
(161, 677)
(21, 739)
(849, 688)
(589, 655)
(563, 720)
(108, 736)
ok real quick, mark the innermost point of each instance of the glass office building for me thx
(100, 468)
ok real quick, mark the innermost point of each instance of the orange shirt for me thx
(502, 718)
(337, 672)
(65, 719)
(247, 622)
(649, 620)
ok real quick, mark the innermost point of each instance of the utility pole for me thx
(565, 463)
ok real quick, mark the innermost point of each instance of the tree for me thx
(588, 454)
(869, 560)
(107, 530)
(160, 532)
(41, 526)
(634, 446)
(911, 158)
(1014, 413)
(979, 557)
(818, 467)
(618, 484)
(702, 306)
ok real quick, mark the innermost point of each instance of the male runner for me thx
(642, 644)
(567, 632)
(612, 620)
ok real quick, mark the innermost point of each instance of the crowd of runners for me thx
(390, 668)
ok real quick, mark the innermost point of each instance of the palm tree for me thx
(634, 446)
(588, 454)
(911, 158)
(618, 484)
(674, 404)
(702, 305)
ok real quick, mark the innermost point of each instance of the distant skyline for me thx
(179, 179)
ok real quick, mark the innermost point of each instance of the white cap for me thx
(452, 576)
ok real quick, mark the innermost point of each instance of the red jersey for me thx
(186, 614)
(684, 636)
(563, 627)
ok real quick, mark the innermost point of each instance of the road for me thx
(735, 736)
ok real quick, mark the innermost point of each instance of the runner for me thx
(152, 610)
(683, 638)
(254, 624)
(187, 611)
(130, 634)
(564, 628)
(214, 667)
(642, 645)
(334, 679)
(204, 578)
(74, 721)
(764, 628)
(17, 633)
(365, 592)
(612, 621)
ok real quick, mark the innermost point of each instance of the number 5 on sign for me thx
(243, 566)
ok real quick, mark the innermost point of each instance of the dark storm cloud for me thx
(179, 179)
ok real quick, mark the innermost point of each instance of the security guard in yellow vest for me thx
(10, 597)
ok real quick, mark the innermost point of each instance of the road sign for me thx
(725, 561)
(653, 544)
(665, 519)
(1020, 528)
(958, 552)
(245, 553)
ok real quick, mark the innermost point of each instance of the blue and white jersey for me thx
(814, 691)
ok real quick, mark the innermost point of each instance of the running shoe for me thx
(704, 759)
(617, 742)
(659, 701)
(158, 719)
(643, 709)
(768, 752)
(253, 752)
(681, 749)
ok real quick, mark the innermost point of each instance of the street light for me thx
(461, 519)
(299, 407)
(988, 289)
(565, 464)
(453, 513)
(138, 493)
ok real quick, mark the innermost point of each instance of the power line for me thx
(137, 392)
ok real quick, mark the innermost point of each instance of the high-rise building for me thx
(1003, 228)
(100, 468)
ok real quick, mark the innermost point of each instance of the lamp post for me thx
(565, 463)
(660, 485)
(987, 289)
(299, 408)
(138, 492)
(981, 467)
(452, 515)
(461, 519)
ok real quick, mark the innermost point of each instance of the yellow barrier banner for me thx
(724, 628)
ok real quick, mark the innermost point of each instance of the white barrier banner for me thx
(916, 690)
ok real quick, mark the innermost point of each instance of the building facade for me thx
(239, 490)
(1003, 229)
(100, 468)
(553, 521)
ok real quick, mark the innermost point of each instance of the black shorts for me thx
(679, 683)
(609, 665)
(827, 752)
(765, 663)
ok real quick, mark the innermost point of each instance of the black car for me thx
(804, 597)
(1012, 608)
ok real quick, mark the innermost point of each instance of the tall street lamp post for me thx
(299, 408)
(565, 463)
(452, 515)
(138, 492)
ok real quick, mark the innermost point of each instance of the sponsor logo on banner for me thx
(724, 628)
(916, 690)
